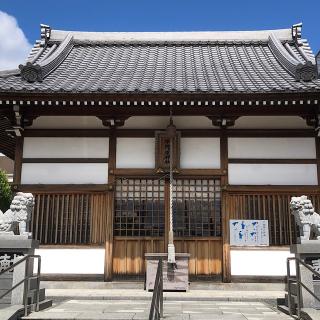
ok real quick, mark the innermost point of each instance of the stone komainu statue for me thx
(19, 214)
(305, 217)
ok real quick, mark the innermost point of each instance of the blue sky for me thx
(165, 15)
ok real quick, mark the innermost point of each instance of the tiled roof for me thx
(187, 62)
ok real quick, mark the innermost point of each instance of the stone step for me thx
(196, 285)
(33, 295)
(310, 314)
(12, 312)
(139, 310)
(294, 301)
(138, 294)
(283, 308)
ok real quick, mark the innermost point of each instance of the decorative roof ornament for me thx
(296, 31)
(37, 72)
(306, 72)
(302, 71)
(45, 33)
(31, 72)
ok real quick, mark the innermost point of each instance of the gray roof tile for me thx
(194, 62)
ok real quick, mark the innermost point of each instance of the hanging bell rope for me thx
(171, 133)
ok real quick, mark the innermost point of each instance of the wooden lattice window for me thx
(197, 207)
(139, 207)
(61, 218)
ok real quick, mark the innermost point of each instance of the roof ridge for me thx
(180, 36)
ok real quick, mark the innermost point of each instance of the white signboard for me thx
(249, 233)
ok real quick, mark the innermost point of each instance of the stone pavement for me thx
(138, 310)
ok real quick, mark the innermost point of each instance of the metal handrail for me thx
(26, 281)
(156, 309)
(297, 279)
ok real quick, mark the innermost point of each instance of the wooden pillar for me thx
(18, 161)
(317, 141)
(108, 269)
(226, 263)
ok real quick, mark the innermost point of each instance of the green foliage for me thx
(5, 192)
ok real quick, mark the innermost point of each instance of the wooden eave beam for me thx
(121, 105)
(97, 96)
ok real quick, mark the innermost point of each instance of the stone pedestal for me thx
(13, 248)
(173, 279)
(309, 252)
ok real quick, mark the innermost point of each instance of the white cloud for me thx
(14, 46)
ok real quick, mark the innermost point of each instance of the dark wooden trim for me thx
(65, 160)
(303, 110)
(201, 172)
(270, 133)
(18, 161)
(108, 266)
(60, 188)
(272, 188)
(317, 141)
(271, 161)
(64, 133)
(185, 133)
(128, 172)
(132, 238)
(166, 96)
(226, 261)
(133, 172)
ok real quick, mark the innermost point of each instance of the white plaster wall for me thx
(64, 173)
(272, 148)
(161, 122)
(71, 261)
(262, 262)
(200, 153)
(67, 122)
(273, 174)
(65, 147)
(270, 122)
(135, 153)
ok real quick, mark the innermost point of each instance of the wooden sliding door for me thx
(141, 223)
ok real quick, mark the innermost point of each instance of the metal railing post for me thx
(26, 287)
(298, 275)
(300, 285)
(156, 308)
(38, 284)
(161, 288)
(25, 281)
(289, 286)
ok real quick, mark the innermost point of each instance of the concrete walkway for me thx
(138, 310)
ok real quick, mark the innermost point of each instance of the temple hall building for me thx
(85, 119)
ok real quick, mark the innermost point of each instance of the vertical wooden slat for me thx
(56, 218)
(17, 169)
(71, 218)
(48, 206)
(67, 223)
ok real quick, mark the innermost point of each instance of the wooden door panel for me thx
(205, 254)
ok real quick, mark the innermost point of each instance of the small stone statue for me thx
(305, 217)
(19, 214)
